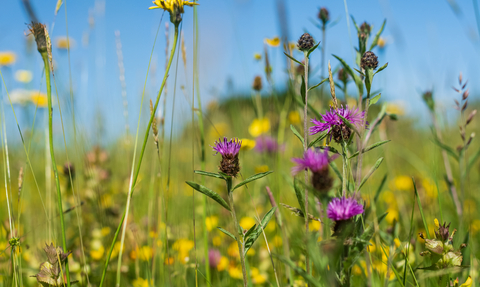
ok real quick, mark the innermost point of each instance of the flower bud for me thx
(257, 84)
(305, 42)
(39, 32)
(323, 15)
(369, 61)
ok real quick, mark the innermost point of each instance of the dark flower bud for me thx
(343, 75)
(369, 61)
(39, 32)
(323, 15)
(257, 84)
(341, 133)
(322, 181)
(69, 170)
(428, 99)
(305, 42)
(230, 164)
(365, 29)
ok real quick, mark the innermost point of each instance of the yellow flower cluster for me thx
(259, 127)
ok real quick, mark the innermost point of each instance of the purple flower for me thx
(267, 144)
(214, 258)
(343, 209)
(230, 164)
(331, 121)
(226, 147)
(313, 159)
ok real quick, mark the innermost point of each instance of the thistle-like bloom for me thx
(174, 7)
(332, 123)
(317, 162)
(229, 151)
(369, 60)
(343, 208)
(267, 144)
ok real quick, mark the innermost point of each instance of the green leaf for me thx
(250, 231)
(374, 168)
(336, 170)
(380, 187)
(369, 148)
(227, 233)
(377, 36)
(206, 173)
(258, 230)
(312, 49)
(360, 72)
(309, 278)
(252, 178)
(421, 209)
(303, 89)
(299, 213)
(299, 194)
(375, 99)
(293, 59)
(355, 23)
(381, 217)
(313, 87)
(295, 132)
(330, 149)
(346, 66)
(381, 69)
(472, 160)
(318, 139)
(448, 149)
(210, 193)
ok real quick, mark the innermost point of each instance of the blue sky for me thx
(429, 43)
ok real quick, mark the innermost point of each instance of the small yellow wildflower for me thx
(211, 222)
(392, 214)
(235, 272)
(475, 227)
(257, 277)
(292, 45)
(437, 225)
(381, 42)
(251, 252)
(247, 222)
(274, 42)
(277, 241)
(63, 43)
(140, 282)
(223, 264)
(271, 226)
(7, 58)
(218, 130)
(145, 253)
(97, 250)
(217, 241)
(169, 261)
(397, 242)
(39, 99)
(259, 127)
(257, 56)
(247, 144)
(174, 7)
(468, 282)
(233, 250)
(403, 182)
(294, 117)
(23, 76)
(261, 168)
(397, 108)
(314, 225)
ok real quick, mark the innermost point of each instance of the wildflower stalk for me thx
(237, 226)
(344, 160)
(305, 147)
(135, 175)
(52, 155)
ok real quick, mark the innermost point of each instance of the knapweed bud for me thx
(323, 15)
(428, 99)
(69, 170)
(257, 84)
(369, 60)
(341, 133)
(39, 32)
(305, 42)
(317, 162)
(230, 164)
(365, 29)
(342, 75)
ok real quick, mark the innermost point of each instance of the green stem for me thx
(237, 226)
(135, 175)
(305, 147)
(54, 164)
(344, 180)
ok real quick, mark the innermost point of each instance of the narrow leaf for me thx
(369, 148)
(381, 69)
(259, 229)
(250, 231)
(313, 87)
(299, 194)
(346, 66)
(448, 149)
(377, 36)
(309, 278)
(312, 49)
(299, 213)
(318, 139)
(293, 59)
(206, 173)
(303, 90)
(421, 209)
(252, 178)
(360, 72)
(348, 123)
(375, 99)
(227, 233)
(380, 188)
(295, 132)
(367, 176)
(210, 193)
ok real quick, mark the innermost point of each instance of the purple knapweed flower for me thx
(317, 162)
(332, 123)
(344, 208)
(267, 144)
(214, 257)
(229, 151)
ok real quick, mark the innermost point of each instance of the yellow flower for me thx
(467, 283)
(437, 225)
(7, 58)
(314, 225)
(140, 282)
(397, 242)
(211, 222)
(277, 241)
(392, 215)
(294, 117)
(23, 76)
(183, 246)
(63, 43)
(397, 108)
(235, 272)
(257, 56)
(97, 250)
(217, 241)
(233, 250)
(475, 227)
(292, 45)
(274, 42)
(247, 144)
(247, 222)
(223, 264)
(261, 168)
(145, 253)
(174, 7)
(259, 126)
(403, 182)
(39, 99)
(381, 42)
(257, 277)
(218, 130)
